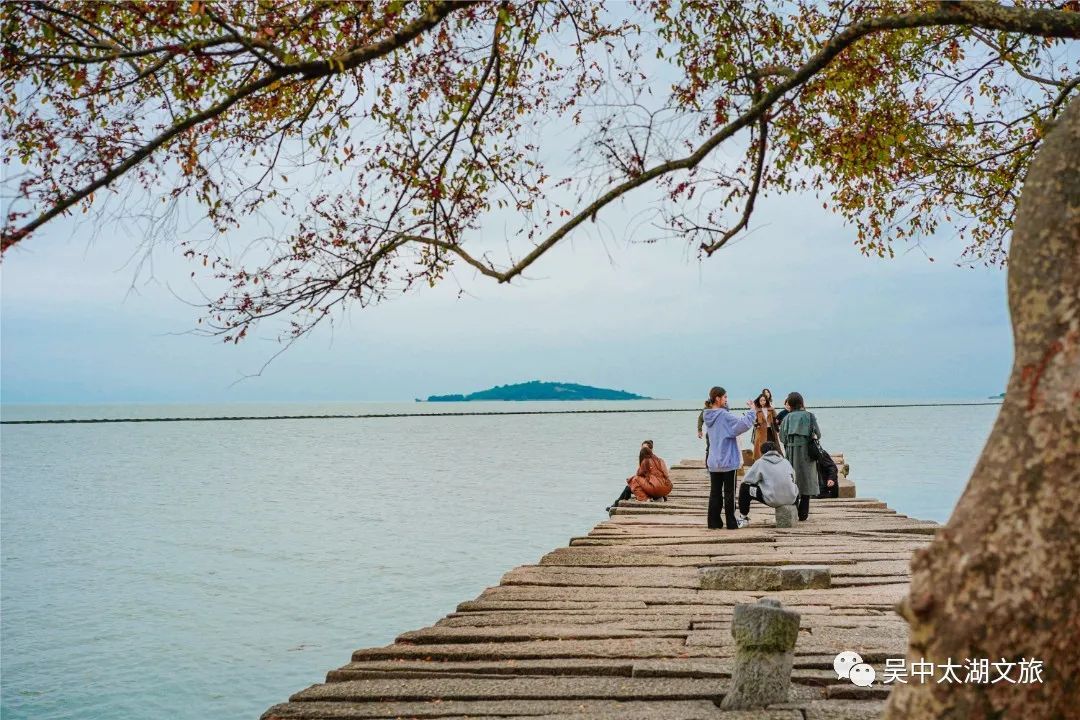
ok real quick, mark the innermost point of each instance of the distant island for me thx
(998, 397)
(537, 390)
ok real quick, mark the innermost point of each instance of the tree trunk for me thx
(1001, 580)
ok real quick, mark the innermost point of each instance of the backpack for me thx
(813, 447)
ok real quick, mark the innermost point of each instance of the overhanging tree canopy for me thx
(385, 140)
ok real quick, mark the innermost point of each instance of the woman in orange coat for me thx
(651, 482)
(654, 470)
(764, 424)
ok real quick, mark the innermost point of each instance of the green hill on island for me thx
(537, 390)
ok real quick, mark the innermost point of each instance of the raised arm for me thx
(744, 423)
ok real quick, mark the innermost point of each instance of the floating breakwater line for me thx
(363, 416)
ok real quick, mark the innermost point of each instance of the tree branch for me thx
(433, 15)
(241, 39)
(1043, 23)
(748, 208)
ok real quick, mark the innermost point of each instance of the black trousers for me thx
(626, 495)
(722, 493)
(804, 507)
(747, 493)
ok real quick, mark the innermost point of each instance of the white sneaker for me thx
(742, 521)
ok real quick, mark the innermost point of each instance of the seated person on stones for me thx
(828, 476)
(656, 467)
(770, 480)
(651, 481)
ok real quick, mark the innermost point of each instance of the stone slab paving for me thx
(618, 625)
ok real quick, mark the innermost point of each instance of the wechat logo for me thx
(849, 665)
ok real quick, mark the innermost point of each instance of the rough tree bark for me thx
(1002, 579)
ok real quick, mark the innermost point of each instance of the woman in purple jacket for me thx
(723, 427)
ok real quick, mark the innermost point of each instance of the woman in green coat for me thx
(798, 427)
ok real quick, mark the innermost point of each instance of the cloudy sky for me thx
(793, 305)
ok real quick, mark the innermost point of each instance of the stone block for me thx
(765, 577)
(759, 679)
(765, 634)
(803, 577)
(742, 577)
(765, 625)
(847, 489)
(785, 516)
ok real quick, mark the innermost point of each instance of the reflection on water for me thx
(196, 570)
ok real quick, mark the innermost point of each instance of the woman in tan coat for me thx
(651, 482)
(651, 476)
(764, 424)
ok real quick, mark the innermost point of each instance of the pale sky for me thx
(792, 306)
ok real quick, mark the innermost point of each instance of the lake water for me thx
(210, 569)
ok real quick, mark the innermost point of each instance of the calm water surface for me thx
(195, 570)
